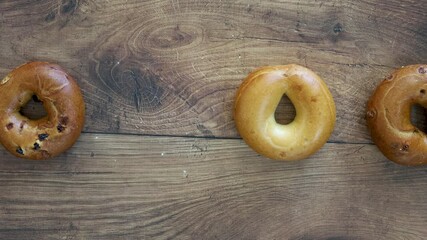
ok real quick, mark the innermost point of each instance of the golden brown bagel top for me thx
(258, 98)
(389, 120)
(51, 135)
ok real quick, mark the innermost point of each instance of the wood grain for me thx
(134, 187)
(172, 67)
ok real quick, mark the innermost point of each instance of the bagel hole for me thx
(418, 117)
(285, 112)
(33, 109)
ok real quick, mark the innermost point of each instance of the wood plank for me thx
(133, 187)
(169, 67)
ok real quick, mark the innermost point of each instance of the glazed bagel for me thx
(51, 135)
(389, 115)
(258, 98)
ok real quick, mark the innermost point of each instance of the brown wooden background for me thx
(160, 157)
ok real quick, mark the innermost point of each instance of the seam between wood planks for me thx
(207, 137)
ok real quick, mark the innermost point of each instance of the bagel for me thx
(59, 129)
(389, 115)
(256, 102)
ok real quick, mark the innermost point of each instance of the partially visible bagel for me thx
(389, 115)
(62, 99)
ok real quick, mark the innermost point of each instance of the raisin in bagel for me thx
(51, 135)
(258, 98)
(389, 115)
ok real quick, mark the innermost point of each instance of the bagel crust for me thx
(256, 103)
(389, 115)
(51, 135)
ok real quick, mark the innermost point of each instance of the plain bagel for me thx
(258, 98)
(51, 135)
(389, 115)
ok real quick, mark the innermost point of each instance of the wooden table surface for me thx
(160, 157)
